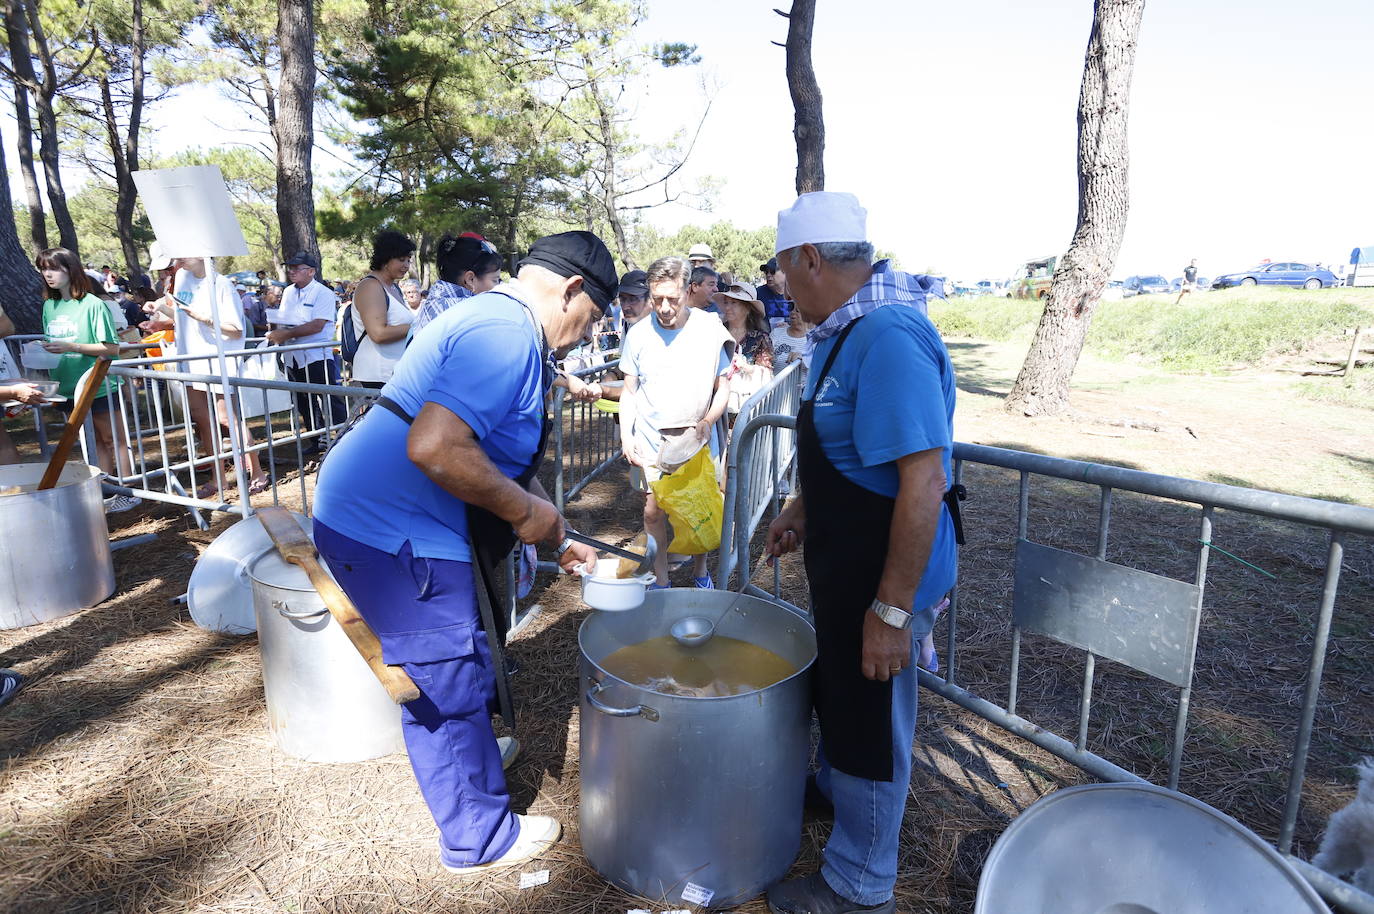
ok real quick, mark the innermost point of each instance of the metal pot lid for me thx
(219, 594)
(1136, 849)
(271, 569)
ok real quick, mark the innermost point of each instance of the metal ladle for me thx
(646, 561)
(694, 631)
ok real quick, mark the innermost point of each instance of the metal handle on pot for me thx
(286, 612)
(637, 711)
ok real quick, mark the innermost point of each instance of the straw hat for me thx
(700, 252)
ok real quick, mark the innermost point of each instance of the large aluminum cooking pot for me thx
(56, 554)
(323, 703)
(694, 800)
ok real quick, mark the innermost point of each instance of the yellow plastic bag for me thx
(694, 504)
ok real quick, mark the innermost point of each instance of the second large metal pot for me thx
(694, 800)
(323, 702)
(56, 556)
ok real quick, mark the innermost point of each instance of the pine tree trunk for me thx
(23, 286)
(17, 34)
(809, 129)
(294, 128)
(124, 152)
(1042, 386)
(47, 133)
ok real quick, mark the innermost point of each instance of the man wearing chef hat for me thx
(874, 441)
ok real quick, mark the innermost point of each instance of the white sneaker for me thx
(116, 503)
(510, 748)
(537, 835)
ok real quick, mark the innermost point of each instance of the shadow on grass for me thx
(973, 373)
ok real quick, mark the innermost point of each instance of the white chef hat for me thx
(819, 217)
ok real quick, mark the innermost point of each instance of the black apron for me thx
(491, 539)
(847, 534)
(847, 531)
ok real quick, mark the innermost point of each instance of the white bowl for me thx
(602, 590)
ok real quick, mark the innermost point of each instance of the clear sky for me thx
(1251, 127)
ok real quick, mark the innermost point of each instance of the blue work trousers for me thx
(860, 859)
(424, 612)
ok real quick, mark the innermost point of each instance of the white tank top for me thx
(374, 362)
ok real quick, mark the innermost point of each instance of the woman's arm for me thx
(370, 300)
(6, 325)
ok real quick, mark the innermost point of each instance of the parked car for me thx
(1115, 291)
(1176, 284)
(1145, 285)
(1286, 273)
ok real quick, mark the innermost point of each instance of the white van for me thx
(1361, 271)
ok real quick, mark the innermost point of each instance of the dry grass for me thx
(138, 774)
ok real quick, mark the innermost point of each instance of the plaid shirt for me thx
(885, 287)
(442, 296)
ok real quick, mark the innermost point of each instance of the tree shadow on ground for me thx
(974, 374)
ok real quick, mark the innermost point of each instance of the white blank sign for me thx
(190, 210)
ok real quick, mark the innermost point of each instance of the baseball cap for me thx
(635, 282)
(302, 259)
(156, 259)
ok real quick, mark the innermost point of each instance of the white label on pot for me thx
(638, 911)
(696, 894)
(678, 911)
(530, 880)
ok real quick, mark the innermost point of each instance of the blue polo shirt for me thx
(480, 360)
(890, 393)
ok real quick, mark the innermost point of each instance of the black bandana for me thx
(578, 254)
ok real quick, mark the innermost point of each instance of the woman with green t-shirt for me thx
(80, 329)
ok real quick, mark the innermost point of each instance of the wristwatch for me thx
(892, 615)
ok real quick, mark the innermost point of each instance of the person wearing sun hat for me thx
(874, 443)
(700, 256)
(416, 506)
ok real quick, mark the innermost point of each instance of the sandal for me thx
(207, 490)
(259, 485)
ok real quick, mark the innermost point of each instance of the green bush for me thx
(1208, 331)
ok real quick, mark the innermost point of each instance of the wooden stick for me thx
(74, 423)
(295, 547)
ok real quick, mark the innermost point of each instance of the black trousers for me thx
(318, 412)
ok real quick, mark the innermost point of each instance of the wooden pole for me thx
(1350, 362)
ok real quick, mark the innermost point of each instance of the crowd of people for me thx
(436, 482)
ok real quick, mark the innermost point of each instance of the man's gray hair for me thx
(841, 253)
(668, 269)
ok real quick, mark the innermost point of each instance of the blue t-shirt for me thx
(890, 393)
(774, 305)
(481, 360)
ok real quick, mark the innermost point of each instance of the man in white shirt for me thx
(307, 312)
(675, 365)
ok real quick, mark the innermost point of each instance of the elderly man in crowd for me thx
(418, 504)
(702, 285)
(307, 314)
(875, 437)
(675, 367)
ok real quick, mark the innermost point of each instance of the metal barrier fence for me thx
(586, 437)
(755, 487)
(161, 454)
(1037, 609)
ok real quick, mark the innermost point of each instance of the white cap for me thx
(156, 259)
(700, 252)
(820, 217)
